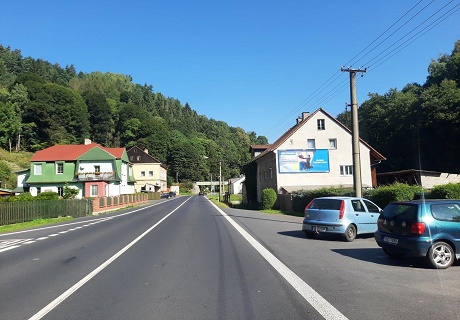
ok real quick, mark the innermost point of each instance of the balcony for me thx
(101, 176)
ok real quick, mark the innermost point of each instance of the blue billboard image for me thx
(301, 161)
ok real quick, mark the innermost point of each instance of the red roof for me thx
(71, 152)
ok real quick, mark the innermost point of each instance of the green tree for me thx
(102, 124)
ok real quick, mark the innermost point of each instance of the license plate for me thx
(390, 240)
(318, 229)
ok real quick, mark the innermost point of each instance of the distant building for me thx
(235, 185)
(150, 174)
(424, 178)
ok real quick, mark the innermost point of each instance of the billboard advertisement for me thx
(302, 161)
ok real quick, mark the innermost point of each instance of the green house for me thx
(92, 169)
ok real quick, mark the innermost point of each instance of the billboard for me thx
(302, 161)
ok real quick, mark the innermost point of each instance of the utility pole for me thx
(220, 178)
(357, 181)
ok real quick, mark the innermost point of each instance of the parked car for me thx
(346, 216)
(168, 195)
(421, 228)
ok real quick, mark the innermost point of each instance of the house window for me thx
(131, 158)
(138, 158)
(142, 173)
(265, 175)
(106, 190)
(39, 190)
(38, 169)
(271, 174)
(97, 168)
(60, 191)
(93, 191)
(321, 124)
(332, 143)
(59, 168)
(346, 170)
(311, 143)
(150, 173)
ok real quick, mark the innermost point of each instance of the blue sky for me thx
(253, 64)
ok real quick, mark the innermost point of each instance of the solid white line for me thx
(91, 275)
(328, 311)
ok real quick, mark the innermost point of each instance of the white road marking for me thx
(79, 222)
(64, 231)
(9, 248)
(327, 310)
(91, 275)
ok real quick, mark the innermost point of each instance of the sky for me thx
(254, 64)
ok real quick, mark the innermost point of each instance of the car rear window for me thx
(400, 211)
(326, 204)
(446, 212)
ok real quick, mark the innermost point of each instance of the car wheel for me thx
(309, 234)
(440, 256)
(393, 254)
(350, 233)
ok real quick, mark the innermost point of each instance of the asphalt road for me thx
(186, 259)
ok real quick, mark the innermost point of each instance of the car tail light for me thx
(308, 206)
(417, 228)
(342, 210)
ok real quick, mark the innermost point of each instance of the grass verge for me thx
(32, 224)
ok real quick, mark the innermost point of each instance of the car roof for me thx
(429, 201)
(339, 198)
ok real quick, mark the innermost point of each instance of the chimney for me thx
(146, 151)
(299, 120)
(87, 141)
(305, 115)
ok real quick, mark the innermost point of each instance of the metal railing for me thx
(84, 176)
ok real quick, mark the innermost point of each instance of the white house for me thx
(316, 152)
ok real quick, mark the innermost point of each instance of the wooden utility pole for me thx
(220, 179)
(357, 181)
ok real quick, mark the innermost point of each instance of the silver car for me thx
(346, 216)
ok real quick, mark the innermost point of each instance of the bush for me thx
(70, 193)
(303, 197)
(383, 195)
(26, 196)
(268, 198)
(48, 195)
(446, 191)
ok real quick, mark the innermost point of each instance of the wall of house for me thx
(89, 166)
(266, 174)
(158, 177)
(430, 181)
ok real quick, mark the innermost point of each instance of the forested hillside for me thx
(42, 104)
(417, 127)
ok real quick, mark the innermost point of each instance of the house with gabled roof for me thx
(150, 174)
(315, 153)
(94, 170)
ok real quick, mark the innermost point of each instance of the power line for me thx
(323, 95)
